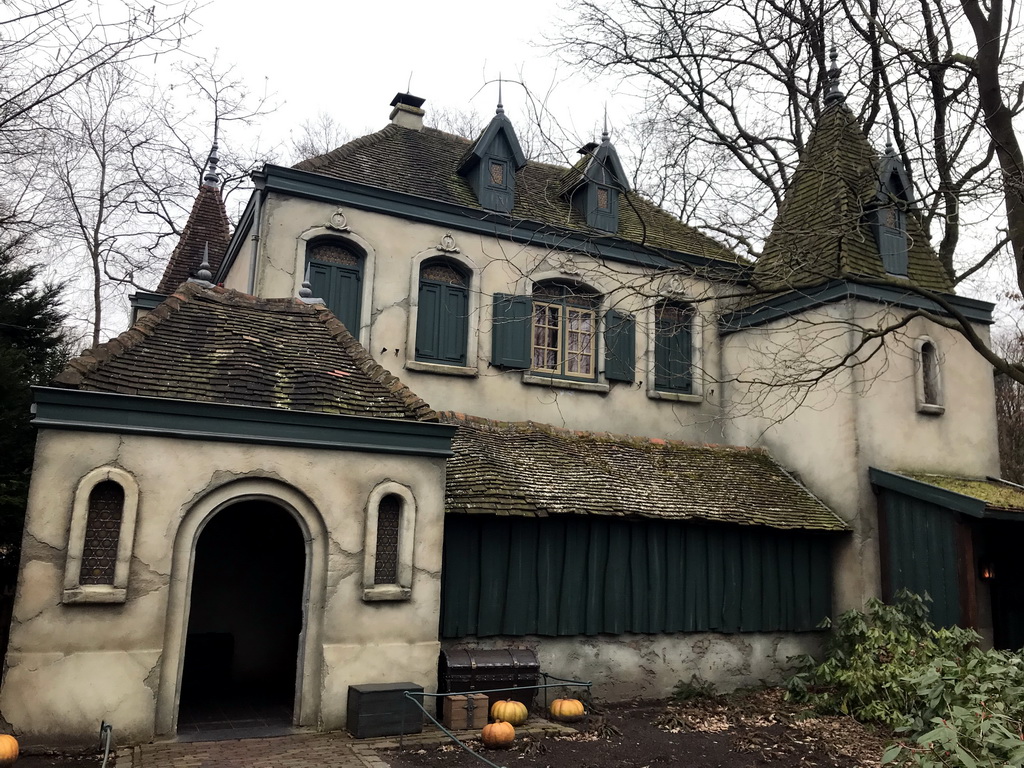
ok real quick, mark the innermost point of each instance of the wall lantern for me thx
(987, 570)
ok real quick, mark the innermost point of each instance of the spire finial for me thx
(501, 107)
(605, 136)
(889, 148)
(834, 95)
(306, 291)
(205, 274)
(211, 178)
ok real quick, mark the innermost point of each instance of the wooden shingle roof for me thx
(220, 346)
(207, 228)
(536, 470)
(822, 232)
(424, 163)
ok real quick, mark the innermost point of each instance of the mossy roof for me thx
(219, 346)
(425, 163)
(822, 232)
(997, 494)
(536, 470)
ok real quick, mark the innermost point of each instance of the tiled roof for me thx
(220, 346)
(207, 225)
(424, 163)
(821, 232)
(996, 494)
(536, 470)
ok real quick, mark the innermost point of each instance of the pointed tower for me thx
(847, 213)
(206, 232)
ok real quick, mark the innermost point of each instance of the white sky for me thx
(350, 58)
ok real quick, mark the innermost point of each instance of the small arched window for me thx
(100, 537)
(336, 276)
(390, 533)
(928, 379)
(564, 339)
(389, 518)
(102, 533)
(442, 316)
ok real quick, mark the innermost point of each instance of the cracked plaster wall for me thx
(499, 266)
(626, 666)
(71, 666)
(862, 417)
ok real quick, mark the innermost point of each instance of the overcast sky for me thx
(350, 58)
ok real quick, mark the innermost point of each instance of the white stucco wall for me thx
(71, 666)
(396, 247)
(865, 415)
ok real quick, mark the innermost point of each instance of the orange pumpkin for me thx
(8, 749)
(511, 711)
(498, 735)
(566, 709)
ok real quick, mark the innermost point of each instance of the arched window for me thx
(100, 538)
(336, 276)
(673, 347)
(928, 379)
(390, 533)
(389, 517)
(102, 533)
(564, 339)
(442, 318)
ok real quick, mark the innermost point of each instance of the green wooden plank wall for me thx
(578, 575)
(922, 554)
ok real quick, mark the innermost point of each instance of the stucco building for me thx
(643, 457)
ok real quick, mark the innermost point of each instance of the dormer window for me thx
(889, 215)
(594, 184)
(491, 163)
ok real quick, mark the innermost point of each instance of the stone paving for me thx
(302, 750)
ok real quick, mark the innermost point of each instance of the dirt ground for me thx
(739, 731)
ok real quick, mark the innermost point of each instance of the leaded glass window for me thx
(564, 331)
(102, 533)
(389, 514)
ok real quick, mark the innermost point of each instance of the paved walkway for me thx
(305, 750)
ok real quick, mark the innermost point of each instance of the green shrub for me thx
(952, 703)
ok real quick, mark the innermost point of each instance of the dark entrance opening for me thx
(242, 645)
(1000, 556)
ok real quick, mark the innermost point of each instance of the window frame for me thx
(358, 271)
(696, 391)
(115, 592)
(930, 406)
(563, 308)
(401, 589)
(465, 290)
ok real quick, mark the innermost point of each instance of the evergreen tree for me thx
(33, 349)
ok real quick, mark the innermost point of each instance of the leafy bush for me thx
(952, 703)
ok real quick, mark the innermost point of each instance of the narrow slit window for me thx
(102, 533)
(930, 374)
(389, 514)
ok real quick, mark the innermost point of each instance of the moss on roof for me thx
(220, 346)
(822, 232)
(425, 163)
(996, 494)
(536, 470)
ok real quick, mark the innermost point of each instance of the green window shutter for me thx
(673, 355)
(428, 318)
(619, 346)
(510, 334)
(341, 289)
(453, 322)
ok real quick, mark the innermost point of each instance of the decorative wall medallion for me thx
(674, 286)
(447, 244)
(338, 221)
(564, 263)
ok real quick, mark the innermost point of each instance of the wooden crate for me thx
(465, 712)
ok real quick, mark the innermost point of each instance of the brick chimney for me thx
(408, 111)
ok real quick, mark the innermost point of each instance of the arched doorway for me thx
(245, 621)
